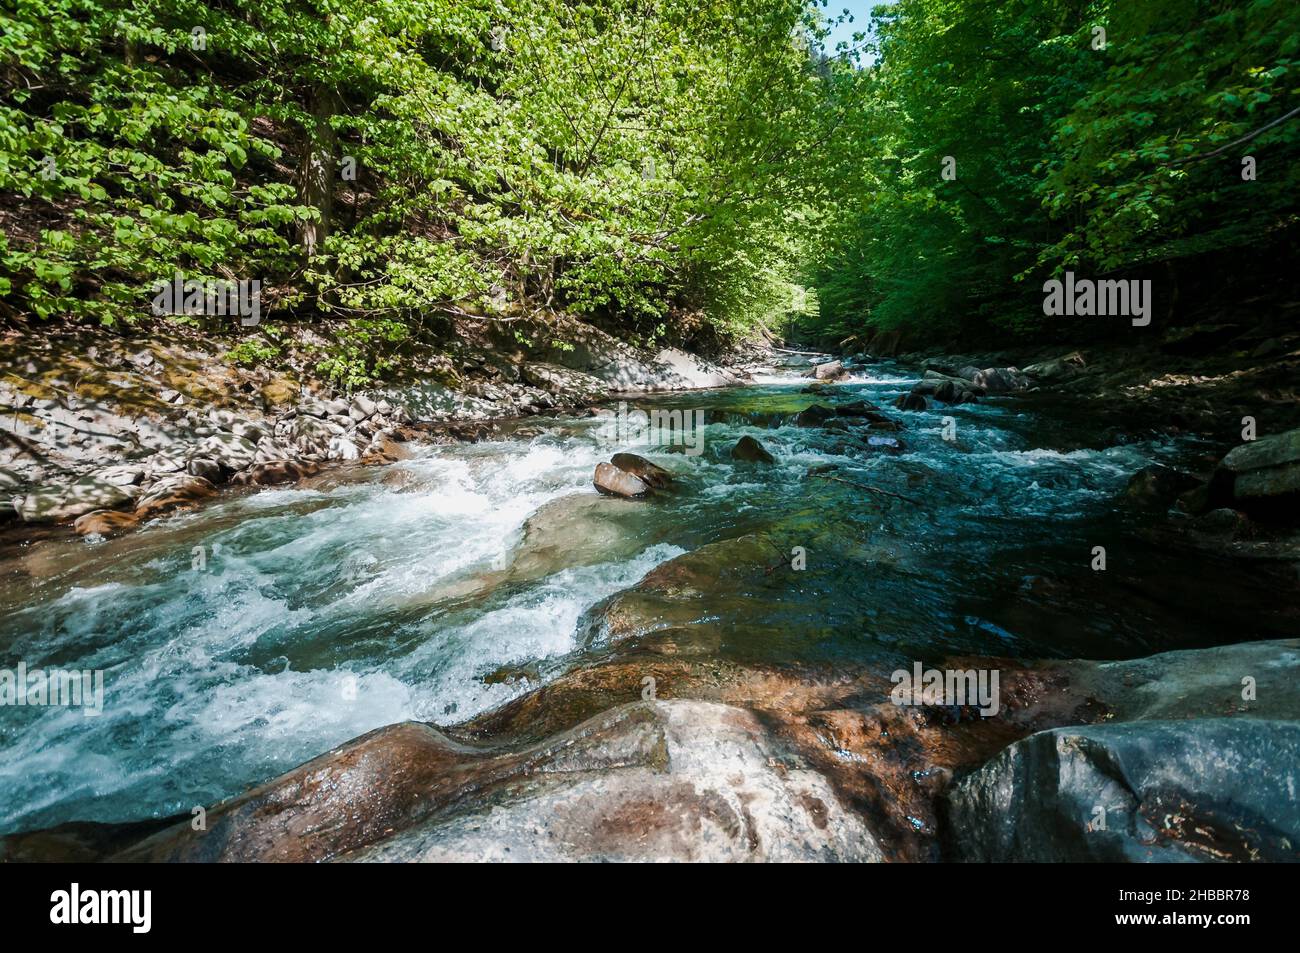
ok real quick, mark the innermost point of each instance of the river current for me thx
(247, 637)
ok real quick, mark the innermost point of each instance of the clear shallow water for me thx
(373, 596)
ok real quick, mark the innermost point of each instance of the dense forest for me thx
(668, 170)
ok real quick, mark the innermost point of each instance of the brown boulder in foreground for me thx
(659, 780)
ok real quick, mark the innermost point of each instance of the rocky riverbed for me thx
(487, 646)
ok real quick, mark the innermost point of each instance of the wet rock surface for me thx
(1208, 790)
(610, 479)
(1201, 763)
(751, 450)
(660, 780)
(649, 473)
(737, 764)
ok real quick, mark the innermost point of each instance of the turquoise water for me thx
(366, 597)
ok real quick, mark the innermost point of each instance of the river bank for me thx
(566, 674)
(102, 432)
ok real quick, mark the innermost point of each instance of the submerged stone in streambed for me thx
(888, 444)
(751, 451)
(615, 482)
(578, 530)
(713, 588)
(1158, 484)
(649, 473)
(912, 401)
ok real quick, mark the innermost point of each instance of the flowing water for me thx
(371, 596)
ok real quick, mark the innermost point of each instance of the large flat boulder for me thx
(695, 372)
(671, 780)
(647, 780)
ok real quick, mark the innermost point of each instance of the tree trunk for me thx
(318, 170)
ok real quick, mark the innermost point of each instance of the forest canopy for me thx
(656, 166)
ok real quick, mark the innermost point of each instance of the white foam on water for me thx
(448, 669)
(190, 712)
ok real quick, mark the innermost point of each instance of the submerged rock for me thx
(577, 530)
(1159, 484)
(750, 450)
(615, 482)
